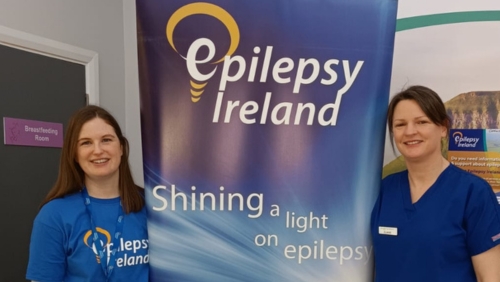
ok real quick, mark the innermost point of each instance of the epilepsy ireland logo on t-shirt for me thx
(129, 252)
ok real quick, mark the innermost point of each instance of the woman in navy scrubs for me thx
(433, 221)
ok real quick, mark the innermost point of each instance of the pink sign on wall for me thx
(23, 132)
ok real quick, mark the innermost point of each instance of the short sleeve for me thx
(47, 259)
(482, 218)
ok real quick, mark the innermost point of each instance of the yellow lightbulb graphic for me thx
(99, 230)
(217, 12)
(459, 134)
(94, 247)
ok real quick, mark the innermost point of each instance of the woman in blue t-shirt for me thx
(433, 221)
(92, 224)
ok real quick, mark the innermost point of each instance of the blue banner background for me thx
(330, 171)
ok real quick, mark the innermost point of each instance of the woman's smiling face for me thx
(99, 150)
(415, 135)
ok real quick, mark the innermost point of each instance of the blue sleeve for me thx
(482, 219)
(47, 258)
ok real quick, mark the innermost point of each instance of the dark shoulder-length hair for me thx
(428, 100)
(71, 177)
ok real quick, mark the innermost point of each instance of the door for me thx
(34, 87)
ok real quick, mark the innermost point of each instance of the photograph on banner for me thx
(262, 131)
(450, 47)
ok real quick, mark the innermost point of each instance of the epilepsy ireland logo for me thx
(464, 141)
(128, 252)
(265, 67)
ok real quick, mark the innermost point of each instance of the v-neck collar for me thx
(406, 194)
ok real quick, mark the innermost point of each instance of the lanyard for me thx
(107, 267)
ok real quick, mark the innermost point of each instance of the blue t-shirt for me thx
(62, 248)
(433, 239)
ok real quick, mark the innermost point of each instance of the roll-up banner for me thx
(451, 46)
(263, 135)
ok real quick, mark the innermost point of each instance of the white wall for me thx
(132, 109)
(99, 26)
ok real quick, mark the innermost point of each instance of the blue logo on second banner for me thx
(466, 140)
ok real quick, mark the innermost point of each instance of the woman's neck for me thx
(422, 175)
(102, 189)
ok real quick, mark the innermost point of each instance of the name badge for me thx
(392, 231)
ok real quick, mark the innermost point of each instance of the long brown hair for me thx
(71, 177)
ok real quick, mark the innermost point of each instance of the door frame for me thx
(51, 48)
